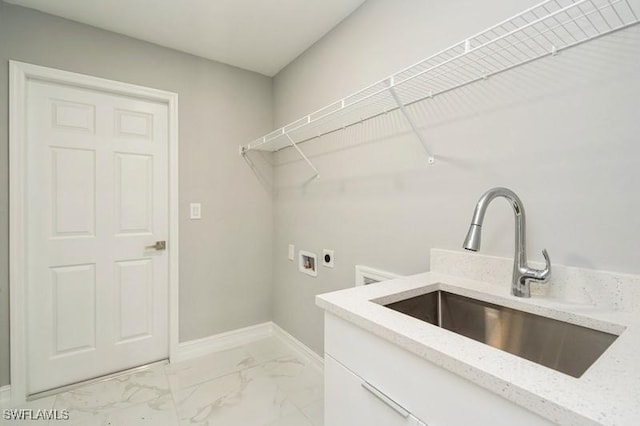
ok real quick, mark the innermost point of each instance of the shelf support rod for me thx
(304, 157)
(393, 92)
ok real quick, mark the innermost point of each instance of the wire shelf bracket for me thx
(304, 157)
(540, 31)
(403, 109)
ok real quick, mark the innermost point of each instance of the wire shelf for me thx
(542, 30)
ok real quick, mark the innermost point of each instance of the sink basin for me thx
(562, 346)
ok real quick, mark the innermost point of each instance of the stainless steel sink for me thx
(565, 347)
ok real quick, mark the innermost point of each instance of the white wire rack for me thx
(542, 30)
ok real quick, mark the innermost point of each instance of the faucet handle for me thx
(545, 274)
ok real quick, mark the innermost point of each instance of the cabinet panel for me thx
(433, 394)
(350, 401)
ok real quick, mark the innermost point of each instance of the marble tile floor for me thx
(263, 383)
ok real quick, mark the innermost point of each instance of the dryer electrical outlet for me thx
(327, 258)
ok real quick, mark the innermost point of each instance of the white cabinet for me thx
(370, 381)
(354, 402)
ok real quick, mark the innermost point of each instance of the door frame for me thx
(19, 74)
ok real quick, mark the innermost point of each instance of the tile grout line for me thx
(173, 396)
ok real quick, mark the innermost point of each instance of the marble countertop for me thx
(608, 393)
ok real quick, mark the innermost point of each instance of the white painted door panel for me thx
(97, 194)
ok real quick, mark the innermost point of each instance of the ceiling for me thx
(258, 35)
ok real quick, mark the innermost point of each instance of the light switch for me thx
(292, 252)
(195, 211)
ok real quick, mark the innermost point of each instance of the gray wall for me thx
(220, 107)
(562, 132)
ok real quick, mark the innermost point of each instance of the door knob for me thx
(159, 245)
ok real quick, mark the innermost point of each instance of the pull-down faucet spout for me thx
(522, 274)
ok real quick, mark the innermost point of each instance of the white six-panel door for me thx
(97, 198)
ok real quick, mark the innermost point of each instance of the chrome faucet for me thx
(522, 274)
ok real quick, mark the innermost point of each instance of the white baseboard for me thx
(5, 394)
(298, 347)
(222, 341)
(242, 336)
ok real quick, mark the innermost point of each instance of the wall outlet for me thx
(327, 258)
(292, 252)
(195, 211)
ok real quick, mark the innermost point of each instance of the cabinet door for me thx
(350, 401)
(433, 394)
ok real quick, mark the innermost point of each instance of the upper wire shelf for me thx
(541, 30)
